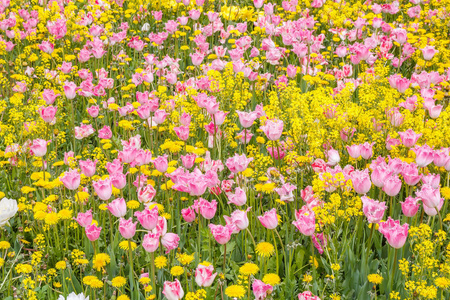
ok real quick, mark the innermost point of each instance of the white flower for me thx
(145, 27)
(73, 296)
(8, 208)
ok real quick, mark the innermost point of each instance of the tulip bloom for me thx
(305, 221)
(92, 232)
(273, 129)
(269, 219)
(204, 275)
(118, 207)
(127, 228)
(222, 234)
(373, 210)
(395, 233)
(173, 290)
(71, 180)
(103, 188)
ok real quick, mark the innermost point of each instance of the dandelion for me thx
(272, 279)
(176, 271)
(235, 291)
(265, 249)
(118, 281)
(124, 245)
(375, 278)
(61, 265)
(249, 269)
(161, 262)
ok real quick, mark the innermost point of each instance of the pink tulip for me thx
(239, 197)
(366, 150)
(188, 160)
(70, 90)
(92, 232)
(222, 234)
(258, 3)
(204, 275)
(429, 196)
(373, 210)
(143, 157)
(305, 221)
(148, 217)
(379, 175)
(128, 154)
(285, 192)
(207, 209)
(185, 119)
(433, 180)
(39, 147)
(424, 155)
(173, 290)
(354, 151)
(188, 214)
(49, 96)
(238, 163)
(161, 163)
(118, 180)
(333, 157)
(361, 181)
(146, 194)
(105, 132)
(93, 111)
(238, 219)
(160, 116)
(127, 228)
(71, 180)
(441, 158)
(87, 167)
(411, 174)
(260, 289)
(170, 241)
(410, 206)
(394, 233)
(269, 219)
(114, 167)
(431, 211)
(409, 138)
(428, 52)
(307, 296)
(151, 242)
(118, 207)
(182, 132)
(103, 188)
(273, 129)
(48, 113)
(84, 219)
(247, 119)
(392, 186)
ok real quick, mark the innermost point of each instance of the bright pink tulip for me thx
(429, 196)
(188, 160)
(204, 275)
(269, 219)
(118, 180)
(148, 217)
(354, 151)
(273, 129)
(143, 157)
(117, 207)
(411, 174)
(170, 241)
(160, 116)
(305, 221)
(424, 155)
(182, 132)
(379, 175)
(238, 163)
(246, 119)
(222, 234)
(366, 150)
(208, 209)
(161, 163)
(71, 180)
(151, 242)
(127, 228)
(361, 181)
(70, 90)
(92, 232)
(409, 138)
(307, 296)
(392, 186)
(188, 214)
(146, 194)
(433, 180)
(431, 211)
(173, 290)
(84, 219)
(48, 113)
(103, 188)
(87, 167)
(260, 289)
(428, 52)
(373, 210)
(239, 197)
(410, 206)
(39, 147)
(394, 233)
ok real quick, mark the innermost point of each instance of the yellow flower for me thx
(307, 278)
(161, 262)
(2, 262)
(144, 280)
(61, 265)
(24, 268)
(185, 259)
(235, 291)
(375, 278)
(272, 279)
(442, 282)
(4, 245)
(249, 269)
(265, 249)
(133, 204)
(124, 245)
(118, 281)
(177, 271)
(123, 297)
(100, 260)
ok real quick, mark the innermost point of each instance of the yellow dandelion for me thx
(4, 245)
(51, 218)
(161, 262)
(375, 278)
(61, 265)
(272, 279)
(123, 297)
(133, 204)
(118, 281)
(265, 249)
(249, 269)
(177, 271)
(235, 291)
(144, 280)
(124, 245)
(185, 259)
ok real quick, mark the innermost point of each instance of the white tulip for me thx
(8, 208)
(73, 296)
